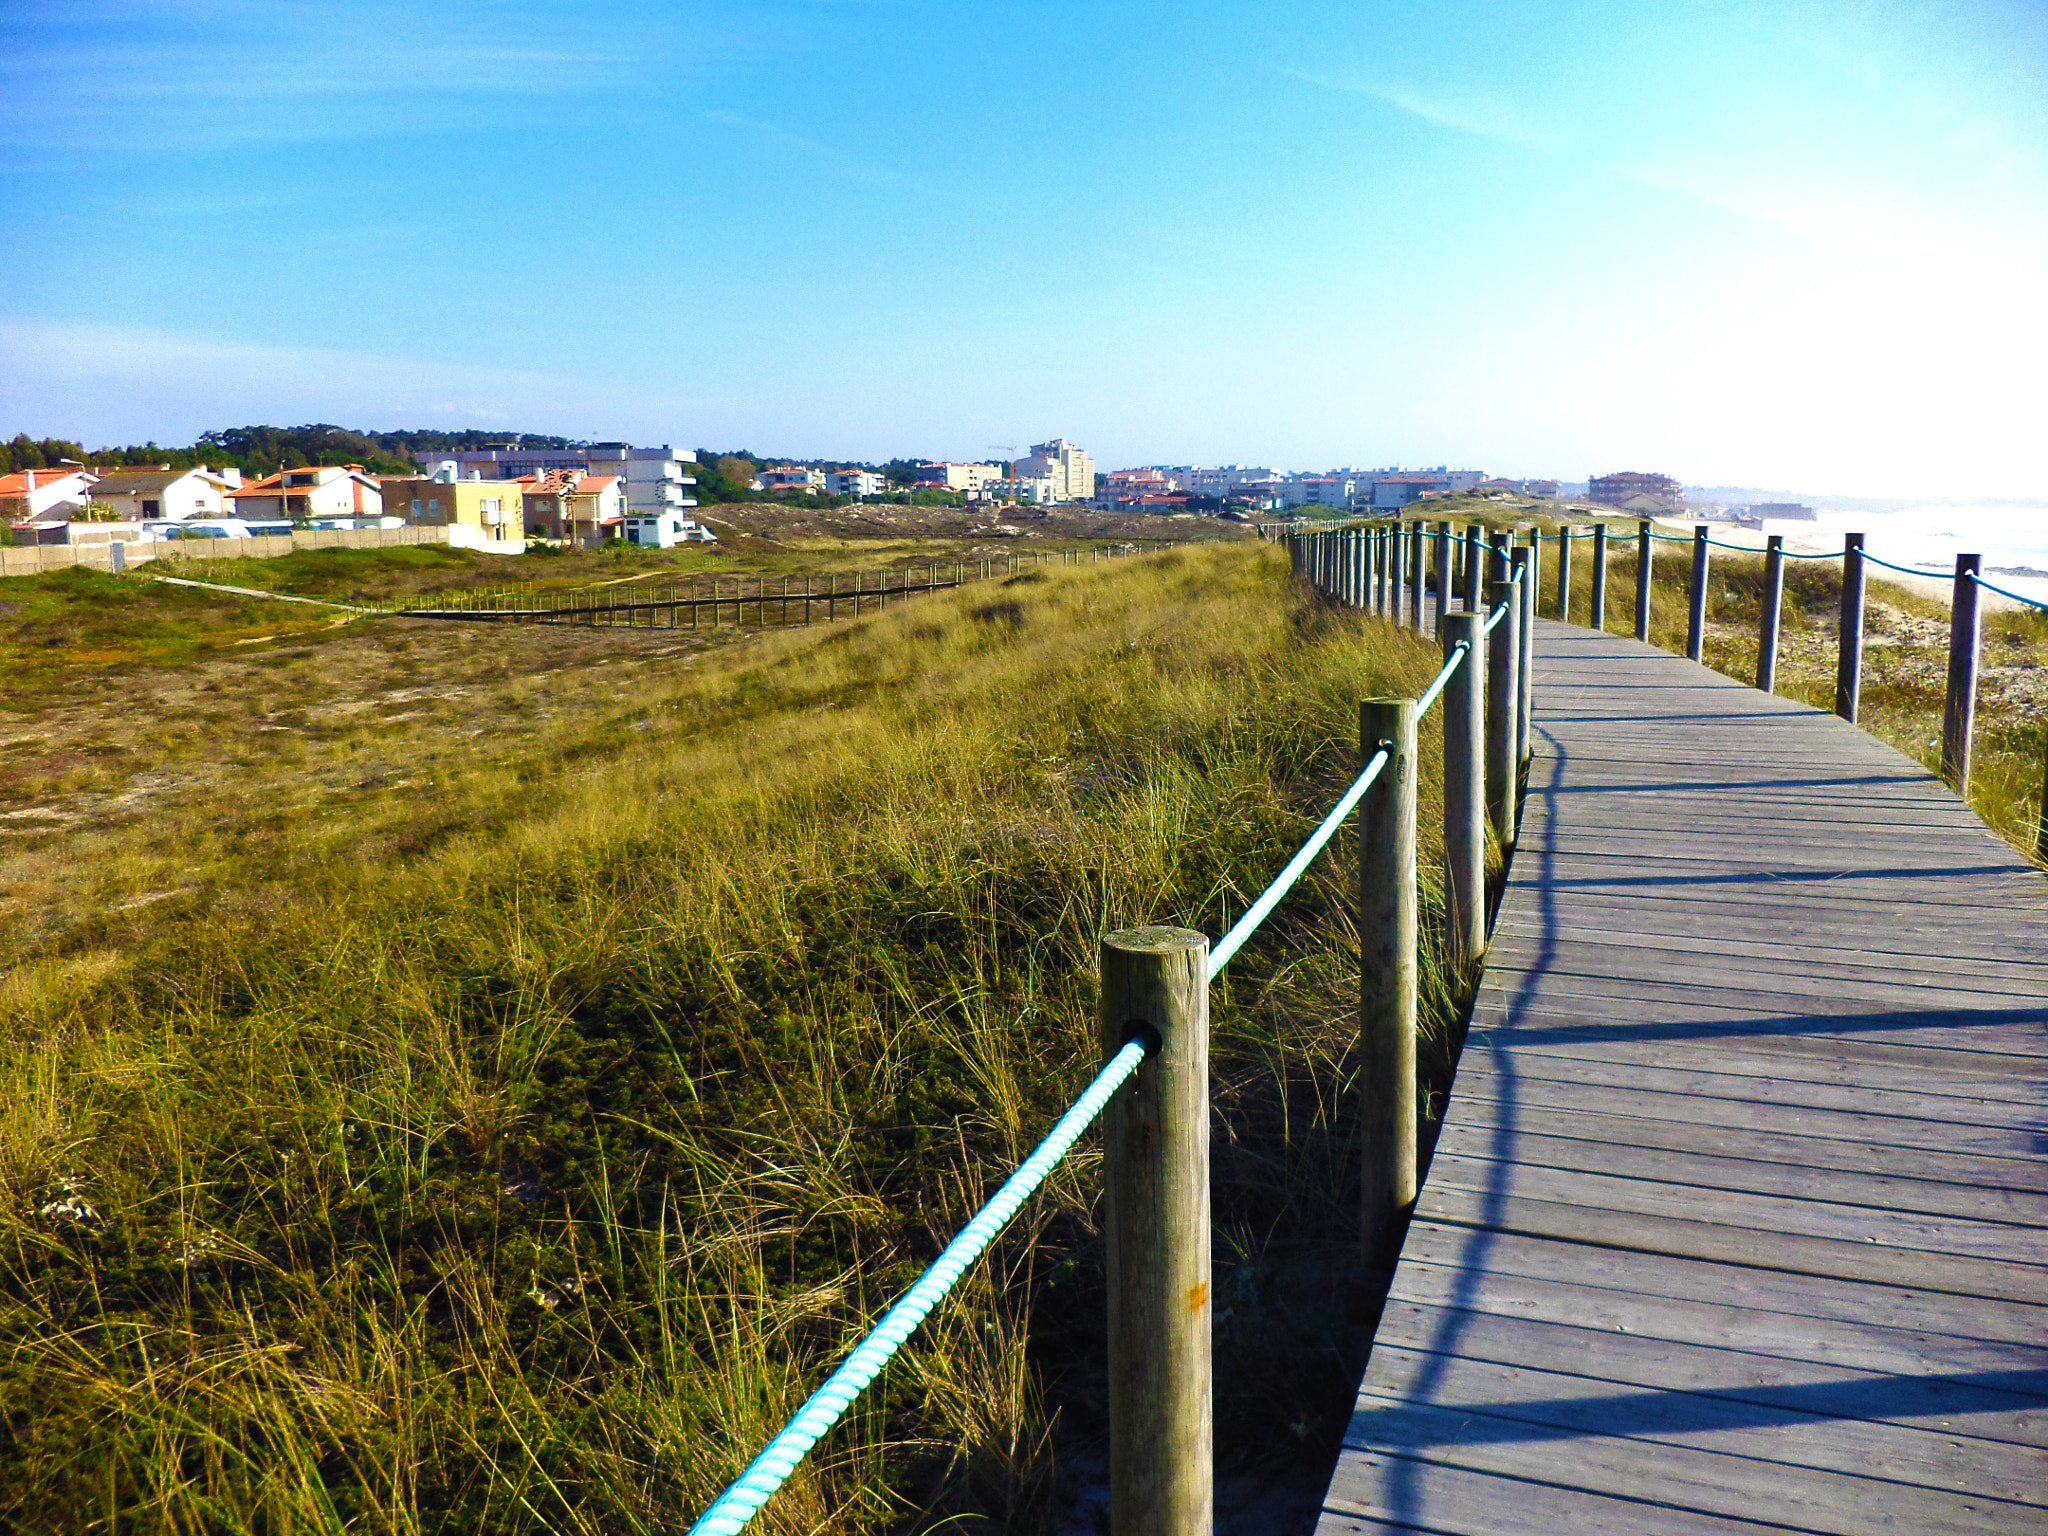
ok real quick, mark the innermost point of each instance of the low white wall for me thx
(31, 560)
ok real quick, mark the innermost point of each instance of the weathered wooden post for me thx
(1849, 635)
(1155, 1152)
(1526, 578)
(1597, 619)
(1418, 572)
(1965, 641)
(1564, 573)
(1387, 975)
(2041, 824)
(1443, 574)
(1475, 568)
(1503, 690)
(1643, 579)
(1393, 583)
(1774, 604)
(1464, 707)
(1379, 570)
(1696, 612)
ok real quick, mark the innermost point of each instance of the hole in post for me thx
(1138, 1029)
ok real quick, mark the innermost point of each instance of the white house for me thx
(664, 530)
(169, 495)
(318, 490)
(785, 478)
(30, 493)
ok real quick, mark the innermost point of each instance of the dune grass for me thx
(524, 1184)
(56, 625)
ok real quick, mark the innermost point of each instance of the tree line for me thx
(722, 476)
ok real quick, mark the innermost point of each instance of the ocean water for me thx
(2012, 539)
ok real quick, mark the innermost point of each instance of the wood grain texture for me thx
(1737, 1216)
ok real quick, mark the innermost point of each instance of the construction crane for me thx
(1009, 458)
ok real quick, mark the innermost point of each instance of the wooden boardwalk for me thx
(1739, 1217)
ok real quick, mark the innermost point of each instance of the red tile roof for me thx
(22, 481)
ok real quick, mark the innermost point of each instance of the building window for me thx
(149, 509)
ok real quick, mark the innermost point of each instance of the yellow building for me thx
(493, 510)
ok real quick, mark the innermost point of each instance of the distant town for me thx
(498, 498)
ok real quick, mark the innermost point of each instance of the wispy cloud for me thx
(180, 75)
(830, 154)
(1463, 110)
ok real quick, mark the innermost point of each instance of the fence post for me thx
(1464, 707)
(1525, 656)
(1443, 575)
(1643, 579)
(1503, 690)
(1965, 636)
(1387, 975)
(1155, 1152)
(1774, 603)
(1696, 614)
(1597, 619)
(1564, 573)
(1418, 572)
(1849, 635)
(2041, 825)
(1475, 568)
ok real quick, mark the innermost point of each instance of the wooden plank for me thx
(1374, 1492)
(1985, 1335)
(2016, 1141)
(1737, 1208)
(1966, 1180)
(1629, 1009)
(1638, 937)
(1587, 969)
(1621, 1199)
(1811, 1426)
(1863, 1062)
(1728, 1486)
(1999, 1386)
(1671, 1153)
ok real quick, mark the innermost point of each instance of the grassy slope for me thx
(526, 1183)
(51, 626)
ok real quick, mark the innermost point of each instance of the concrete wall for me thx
(31, 561)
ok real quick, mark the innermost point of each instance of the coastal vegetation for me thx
(505, 1131)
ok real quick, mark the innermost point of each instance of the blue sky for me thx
(1789, 244)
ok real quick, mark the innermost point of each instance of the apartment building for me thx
(1320, 491)
(1625, 486)
(1027, 490)
(1070, 469)
(855, 482)
(958, 477)
(655, 480)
